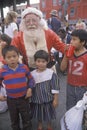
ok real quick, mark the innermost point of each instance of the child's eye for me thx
(8, 57)
(14, 56)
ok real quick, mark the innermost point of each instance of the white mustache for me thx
(31, 27)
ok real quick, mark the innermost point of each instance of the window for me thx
(44, 15)
(60, 2)
(72, 11)
(71, 1)
(60, 14)
(54, 2)
(43, 4)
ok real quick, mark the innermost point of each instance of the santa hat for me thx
(31, 10)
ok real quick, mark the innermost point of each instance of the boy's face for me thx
(41, 64)
(75, 41)
(11, 59)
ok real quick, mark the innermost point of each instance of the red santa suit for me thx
(28, 41)
(52, 40)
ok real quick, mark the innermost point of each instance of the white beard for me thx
(34, 40)
(33, 35)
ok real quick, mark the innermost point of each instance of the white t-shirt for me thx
(3, 104)
(10, 29)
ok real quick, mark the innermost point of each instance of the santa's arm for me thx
(53, 40)
(16, 40)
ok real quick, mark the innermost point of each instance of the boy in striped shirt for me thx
(19, 83)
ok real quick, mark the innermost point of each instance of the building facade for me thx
(73, 9)
(77, 10)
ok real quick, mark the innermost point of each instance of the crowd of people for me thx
(29, 83)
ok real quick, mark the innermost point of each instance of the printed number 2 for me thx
(78, 67)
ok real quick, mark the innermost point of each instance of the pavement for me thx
(5, 123)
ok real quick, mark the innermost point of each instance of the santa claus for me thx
(35, 35)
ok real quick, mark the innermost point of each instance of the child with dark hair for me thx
(4, 40)
(77, 68)
(45, 93)
(19, 83)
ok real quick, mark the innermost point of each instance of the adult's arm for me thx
(16, 41)
(64, 63)
(53, 40)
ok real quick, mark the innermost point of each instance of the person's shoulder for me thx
(13, 24)
(49, 70)
(49, 31)
(50, 34)
(4, 68)
(56, 22)
(23, 65)
(18, 35)
(33, 72)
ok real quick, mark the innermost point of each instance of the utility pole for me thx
(28, 3)
(1, 9)
(65, 12)
(14, 5)
(65, 7)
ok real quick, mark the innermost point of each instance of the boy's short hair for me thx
(41, 54)
(9, 48)
(81, 34)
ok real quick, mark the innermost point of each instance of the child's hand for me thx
(29, 93)
(55, 103)
(3, 98)
(55, 100)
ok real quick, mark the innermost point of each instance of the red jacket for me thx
(52, 40)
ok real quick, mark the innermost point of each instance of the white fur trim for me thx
(31, 48)
(32, 10)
